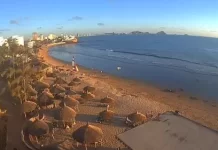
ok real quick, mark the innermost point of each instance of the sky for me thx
(23, 17)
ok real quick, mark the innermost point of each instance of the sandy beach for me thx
(131, 96)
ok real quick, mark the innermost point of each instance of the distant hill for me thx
(139, 32)
(161, 33)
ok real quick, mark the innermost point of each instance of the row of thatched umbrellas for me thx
(66, 113)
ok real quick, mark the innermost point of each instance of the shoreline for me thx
(145, 96)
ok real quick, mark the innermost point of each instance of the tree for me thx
(20, 73)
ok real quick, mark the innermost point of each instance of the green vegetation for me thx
(18, 70)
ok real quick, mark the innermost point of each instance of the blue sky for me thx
(195, 17)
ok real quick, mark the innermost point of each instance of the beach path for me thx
(15, 123)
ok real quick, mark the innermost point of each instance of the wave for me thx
(168, 58)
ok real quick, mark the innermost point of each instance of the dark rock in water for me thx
(161, 33)
(193, 98)
(169, 90)
(181, 89)
(214, 105)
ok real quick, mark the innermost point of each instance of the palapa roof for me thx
(73, 83)
(38, 128)
(28, 106)
(46, 98)
(107, 100)
(106, 115)
(60, 81)
(41, 85)
(77, 80)
(88, 134)
(89, 89)
(70, 92)
(31, 90)
(57, 89)
(87, 96)
(69, 101)
(136, 117)
(65, 113)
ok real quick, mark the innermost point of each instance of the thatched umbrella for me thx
(28, 107)
(88, 134)
(73, 83)
(70, 92)
(135, 119)
(107, 100)
(77, 80)
(87, 96)
(46, 98)
(56, 89)
(39, 85)
(60, 81)
(67, 115)
(38, 128)
(31, 90)
(106, 115)
(89, 89)
(71, 102)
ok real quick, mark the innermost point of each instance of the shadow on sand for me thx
(86, 118)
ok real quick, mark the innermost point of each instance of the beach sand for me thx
(130, 96)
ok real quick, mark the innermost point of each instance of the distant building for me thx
(2, 41)
(30, 44)
(51, 36)
(19, 39)
(35, 36)
(41, 37)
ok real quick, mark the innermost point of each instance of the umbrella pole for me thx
(77, 144)
(86, 147)
(24, 115)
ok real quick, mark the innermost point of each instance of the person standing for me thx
(73, 62)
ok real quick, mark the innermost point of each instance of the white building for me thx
(19, 39)
(30, 44)
(51, 36)
(41, 37)
(2, 41)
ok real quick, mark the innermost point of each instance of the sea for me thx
(172, 62)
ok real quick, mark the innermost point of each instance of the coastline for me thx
(133, 95)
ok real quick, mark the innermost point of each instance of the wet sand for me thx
(131, 96)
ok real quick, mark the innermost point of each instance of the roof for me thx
(170, 132)
(88, 134)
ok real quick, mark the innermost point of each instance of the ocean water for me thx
(166, 61)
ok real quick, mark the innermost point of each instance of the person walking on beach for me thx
(73, 62)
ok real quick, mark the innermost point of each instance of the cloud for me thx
(100, 24)
(39, 28)
(19, 20)
(213, 31)
(4, 30)
(14, 22)
(77, 18)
